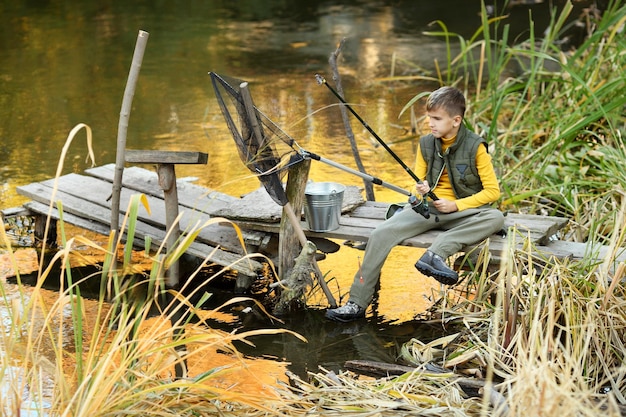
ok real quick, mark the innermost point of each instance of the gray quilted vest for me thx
(460, 159)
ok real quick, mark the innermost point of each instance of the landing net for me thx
(265, 149)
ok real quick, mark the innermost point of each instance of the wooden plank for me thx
(541, 228)
(356, 224)
(585, 251)
(344, 232)
(14, 212)
(165, 157)
(247, 267)
(36, 207)
(74, 184)
(360, 229)
(254, 206)
(39, 192)
(215, 233)
(370, 210)
(366, 223)
(191, 196)
(258, 206)
(147, 182)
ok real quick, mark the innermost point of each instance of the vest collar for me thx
(460, 135)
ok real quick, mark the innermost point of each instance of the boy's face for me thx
(441, 124)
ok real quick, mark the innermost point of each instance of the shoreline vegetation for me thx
(542, 335)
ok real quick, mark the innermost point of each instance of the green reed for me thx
(546, 335)
(554, 118)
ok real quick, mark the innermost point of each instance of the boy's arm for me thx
(491, 189)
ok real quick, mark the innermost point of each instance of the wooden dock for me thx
(86, 204)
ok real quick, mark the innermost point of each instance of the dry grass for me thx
(544, 336)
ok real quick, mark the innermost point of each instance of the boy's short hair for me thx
(450, 99)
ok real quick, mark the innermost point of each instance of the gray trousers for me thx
(459, 229)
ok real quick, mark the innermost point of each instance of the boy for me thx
(456, 162)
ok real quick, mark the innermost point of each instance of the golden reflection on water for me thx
(404, 292)
(238, 374)
(300, 111)
(310, 115)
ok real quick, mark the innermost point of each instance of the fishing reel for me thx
(420, 206)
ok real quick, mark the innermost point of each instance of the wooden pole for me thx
(332, 60)
(295, 221)
(129, 92)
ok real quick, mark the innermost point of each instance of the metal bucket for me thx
(323, 205)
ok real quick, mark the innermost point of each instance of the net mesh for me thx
(265, 149)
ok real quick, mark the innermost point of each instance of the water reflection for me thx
(61, 65)
(64, 63)
(329, 345)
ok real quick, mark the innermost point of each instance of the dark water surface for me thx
(328, 344)
(67, 62)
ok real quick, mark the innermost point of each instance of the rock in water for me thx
(299, 280)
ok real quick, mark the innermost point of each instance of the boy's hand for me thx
(445, 206)
(422, 187)
(442, 205)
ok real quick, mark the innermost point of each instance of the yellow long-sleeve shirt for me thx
(443, 189)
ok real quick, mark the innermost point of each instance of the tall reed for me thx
(121, 358)
(546, 335)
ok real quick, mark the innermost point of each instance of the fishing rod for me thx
(322, 80)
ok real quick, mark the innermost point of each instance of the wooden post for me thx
(167, 182)
(165, 162)
(40, 230)
(289, 247)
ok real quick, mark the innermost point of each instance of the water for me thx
(64, 63)
(328, 345)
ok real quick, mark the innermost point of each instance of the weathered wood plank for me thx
(164, 157)
(247, 267)
(360, 228)
(14, 212)
(100, 213)
(73, 185)
(370, 210)
(258, 206)
(42, 193)
(344, 232)
(37, 208)
(357, 225)
(254, 206)
(541, 228)
(199, 204)
(581, 250)
(147, 182)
